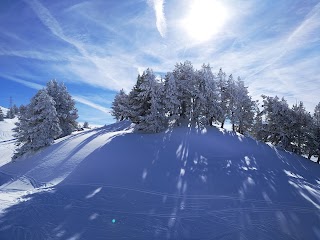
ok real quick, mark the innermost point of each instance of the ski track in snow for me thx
(74, 188)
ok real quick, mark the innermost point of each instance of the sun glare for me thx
(204, 19)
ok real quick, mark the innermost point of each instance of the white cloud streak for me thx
(77, 98)
(87, 102)
(158, 6)
(104, 78)
(24, 82)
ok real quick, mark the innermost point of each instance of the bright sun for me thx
(204, 19)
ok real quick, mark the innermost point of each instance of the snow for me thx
(6, 139)
(184, 183)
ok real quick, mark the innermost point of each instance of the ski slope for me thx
(185, 183)
(6, 138)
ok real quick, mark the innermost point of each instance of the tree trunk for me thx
(222, 123)
(309, 156)
(318, 159)
(211, 121)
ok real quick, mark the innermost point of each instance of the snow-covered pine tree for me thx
(300, 122)
(154, 120)
(65, 107)
(278, 117)
(22, 109)
(209, 96)
(10, 113)
(185, 80)
(314, 139)
(138, 99)
(258, 127)
(120, 106)
(15, 109)
(1, 115)
(231, 92)
(172, 104)
(243, 108)
(85, 125)
(222, 86)
(39, 124)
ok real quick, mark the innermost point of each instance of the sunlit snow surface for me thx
(185, 183)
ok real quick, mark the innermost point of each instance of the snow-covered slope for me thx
(6, 138)
(186, 183)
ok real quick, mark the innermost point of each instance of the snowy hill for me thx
(185, 183)
(6, 138)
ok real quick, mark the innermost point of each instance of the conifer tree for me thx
(85, 125)
(38, 126)
(172, 104)
(154, 120)
(222, 85)
(138, 100)
(1, 115)
(65, 107)
(209, 96)
(185, 81)
(120, 109)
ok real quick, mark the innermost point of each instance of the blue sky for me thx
(98, 47)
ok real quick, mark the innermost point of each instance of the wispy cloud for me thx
(24, 82)
(77, 98)
(102, 72)
(89, 103)
(275, 53)
(158, 6)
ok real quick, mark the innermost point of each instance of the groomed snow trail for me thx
(185, 183)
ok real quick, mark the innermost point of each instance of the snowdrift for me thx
(185, 183)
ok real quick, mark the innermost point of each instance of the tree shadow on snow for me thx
(185, 183)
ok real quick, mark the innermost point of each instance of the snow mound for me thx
(185, 183)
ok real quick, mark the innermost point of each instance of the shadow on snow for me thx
(185, 183)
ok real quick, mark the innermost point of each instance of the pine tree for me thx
(38, 126)
(22, 109)
(316, 132)
(1, 115)
(10, 113)
(154, 120)
(300, 123)
(185, 81)
(278, 121)
(208, 96)
(85, 125)
(119, 106)
(222, 86)
(231, 94)
(242, 109)
(15, 109)
(65, 107)
(139, 98)
(258, 129)
(172, 104)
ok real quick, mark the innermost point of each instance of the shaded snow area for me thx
(7, 141)
(185, 183)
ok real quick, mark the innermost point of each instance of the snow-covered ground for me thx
(185, 183)
(6, 138)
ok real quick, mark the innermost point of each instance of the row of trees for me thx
(294, 129)
(51, 114)
(185, 95)
(200, 96)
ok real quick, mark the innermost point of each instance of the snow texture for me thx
(7, 140)
(185, 183)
